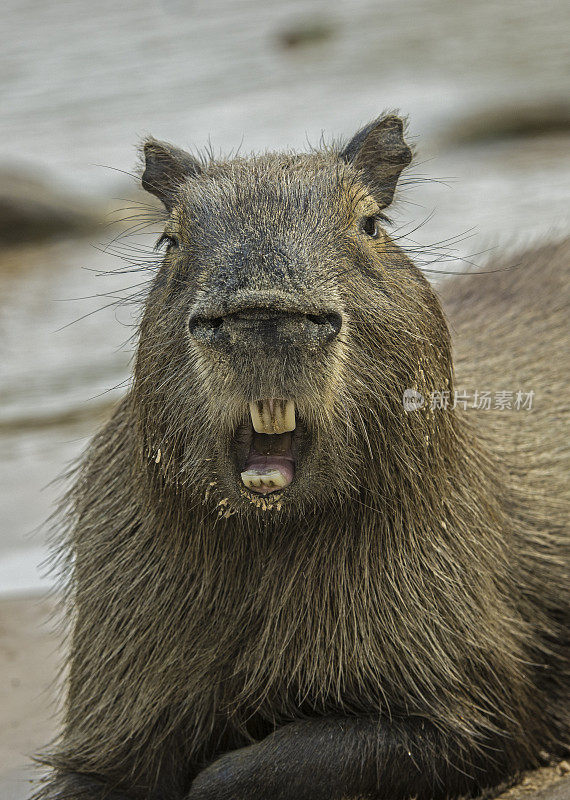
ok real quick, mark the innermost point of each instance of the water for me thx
(82, 82)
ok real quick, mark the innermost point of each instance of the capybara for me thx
(307, 559)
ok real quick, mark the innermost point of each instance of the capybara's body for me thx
(286, 584)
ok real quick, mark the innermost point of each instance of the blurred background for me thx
(484, 85)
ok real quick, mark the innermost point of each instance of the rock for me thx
(548, 783)
(520, 120)
(32, 208)
(305, 33)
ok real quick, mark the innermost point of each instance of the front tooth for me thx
(255, 410)
(273, 479)
(251, 478)
(289, 416)
(273, 416)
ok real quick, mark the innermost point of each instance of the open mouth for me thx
(267, 446)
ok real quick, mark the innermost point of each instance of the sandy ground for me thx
(28, 667)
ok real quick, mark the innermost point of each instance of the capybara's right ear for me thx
(166, 168)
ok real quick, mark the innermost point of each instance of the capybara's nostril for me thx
(204, 328)
(327, 326)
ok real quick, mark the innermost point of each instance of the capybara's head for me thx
(284, 326)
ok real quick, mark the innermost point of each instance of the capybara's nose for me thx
(267, 329)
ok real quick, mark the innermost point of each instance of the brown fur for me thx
(406, 597)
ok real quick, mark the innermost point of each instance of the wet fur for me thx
(399, 627)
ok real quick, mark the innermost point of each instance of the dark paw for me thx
(228, 778)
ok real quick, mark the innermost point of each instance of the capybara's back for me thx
(511, 339)
(308, 558)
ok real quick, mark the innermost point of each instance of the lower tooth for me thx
(273, 479)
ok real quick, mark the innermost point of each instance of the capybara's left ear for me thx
(166, 168)
(380, 152)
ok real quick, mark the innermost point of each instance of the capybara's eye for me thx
(169, 240)
(369, 226)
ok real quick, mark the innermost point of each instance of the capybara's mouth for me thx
(266, 446)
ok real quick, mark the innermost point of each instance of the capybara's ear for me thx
(166, 168)
(379, 150)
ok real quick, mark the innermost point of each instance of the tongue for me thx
(270, 465)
